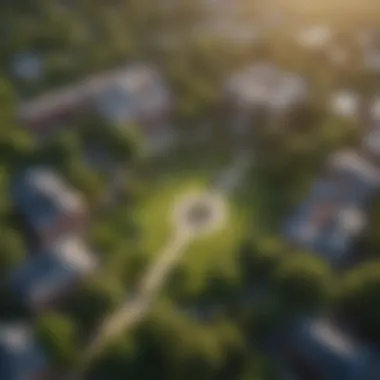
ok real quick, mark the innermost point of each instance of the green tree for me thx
(12, 251)
(59, 337)
(359, 299)
(95, 300)
(115, 362)
(86, 180)
(259, 257)
(303, 283)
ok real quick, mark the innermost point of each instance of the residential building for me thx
(27, 66)
(371, 47)
(50, 206)
(345, 104)
(333, 216)
(132, 93)
(370, 144)
(319, 350)
(21, 358)
(264, 88)
(314, 37)
(137, 95)
(45, 278)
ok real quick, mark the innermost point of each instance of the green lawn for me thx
(154, 214)
(210, 253)
(216, 253)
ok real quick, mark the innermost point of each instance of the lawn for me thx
(153, 215)
(214, 253)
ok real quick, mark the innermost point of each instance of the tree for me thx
(98, 298)
(62, 150)
(303, 283)
(259, 257)
(59, 337)
(12, 250)
(359, 299)
(115, 362)
(85, 179)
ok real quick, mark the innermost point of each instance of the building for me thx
(319, 350)
(27, 66)
(50, 206)
(370, 42)
(20, 356)
(333, 216)
(132, 93)
(140, 96)
(370, 144)
(314, 37)
(263, 89)
(345, 104)
(45, 278)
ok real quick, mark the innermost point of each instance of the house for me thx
(333, 216)
(45, 278)
(318, 349)
(132, 93)
(371, 50)
(50, 206)
(27, 66)
(370, 144)
(345, 104)
(21, 358)
(266, 86)
(137, 95)
(314, 37)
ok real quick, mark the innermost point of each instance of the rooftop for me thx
(135, 77)
(42, 191)
(334, 353)
(332, 216)
(48, 274)
(20, 356)
(345, 103)
(265, 84)
(353, 162)
(315, 36)
(371, 141)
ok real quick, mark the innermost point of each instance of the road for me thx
(152, 282)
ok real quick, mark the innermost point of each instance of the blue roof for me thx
(21, 358)
(316, 224)
(39, 210)
(41, 275)
(335, 357)
(116, 105)
(48, 273)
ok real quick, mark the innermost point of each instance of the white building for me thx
(265, 85)
(314, 37)
(345, 104)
